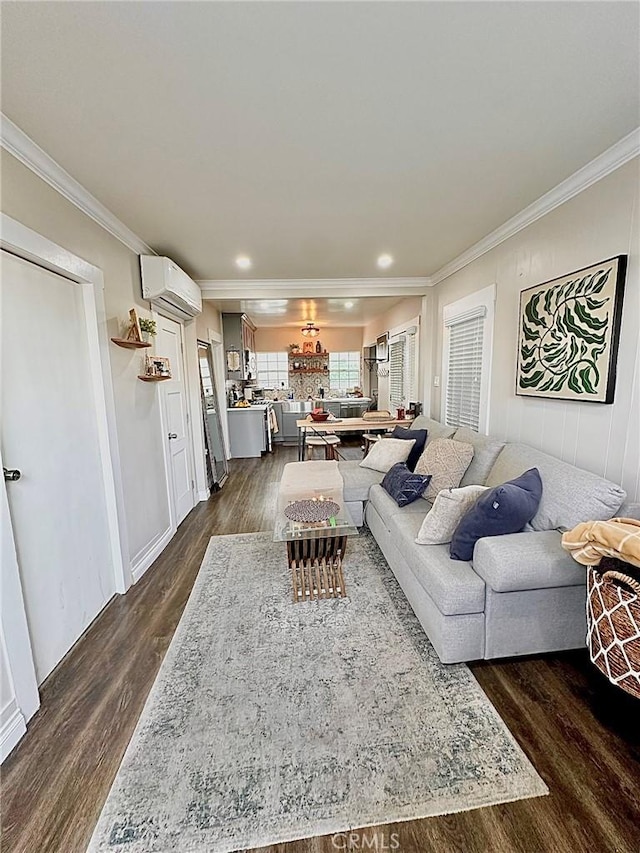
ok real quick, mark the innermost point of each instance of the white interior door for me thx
(174, 405)
(49, 432)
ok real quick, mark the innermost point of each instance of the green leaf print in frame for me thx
(569, 330)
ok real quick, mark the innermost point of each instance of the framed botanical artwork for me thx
(569, 330)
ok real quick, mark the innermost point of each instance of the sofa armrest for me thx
(519, 561)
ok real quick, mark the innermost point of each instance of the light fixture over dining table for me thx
(310, 330)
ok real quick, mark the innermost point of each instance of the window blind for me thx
(396, 370)
(410, 369)
(464, 370)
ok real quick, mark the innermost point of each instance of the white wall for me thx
(600, 222)
(403, 312)
(31, 201)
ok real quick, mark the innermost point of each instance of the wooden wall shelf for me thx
(297, 355)
(310, 370)
(130, 344)
(153, 378)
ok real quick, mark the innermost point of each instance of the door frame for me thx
(196, 464)
(27, 244)
(22, 242)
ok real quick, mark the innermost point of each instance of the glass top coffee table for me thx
(315, 524)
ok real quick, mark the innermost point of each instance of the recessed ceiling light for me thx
(244, 262)
(348, 304)
(385, 261)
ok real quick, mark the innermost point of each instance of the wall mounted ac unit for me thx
(166, 286)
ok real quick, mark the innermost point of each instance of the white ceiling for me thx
(315, 135)
(324, 312)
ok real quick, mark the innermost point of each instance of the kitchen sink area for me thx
(290, 411)
(298, 406)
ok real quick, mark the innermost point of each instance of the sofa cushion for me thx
(569, 494)
(434, 428)
(503, 509)
(356, 480)
(403, 485)
(520, 561)
(388, 508)
(447, 512)
(419, 436)
(485, 452)
(452, 585)
(385, 454)
(446, 460)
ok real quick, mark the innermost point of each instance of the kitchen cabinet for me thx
(248, 431)
(239, 335)
(289, 428)
(353, 409)
(278, 406)
(331, 406)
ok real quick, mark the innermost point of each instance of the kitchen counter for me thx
(257, 407)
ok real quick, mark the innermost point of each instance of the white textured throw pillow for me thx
(385, 454)
(446, 460)
(447, 511)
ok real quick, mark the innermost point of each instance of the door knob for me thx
(11, 474)
(173, 435)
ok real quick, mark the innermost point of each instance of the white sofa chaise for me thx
(521, 594)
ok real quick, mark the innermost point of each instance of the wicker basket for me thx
(613, 623)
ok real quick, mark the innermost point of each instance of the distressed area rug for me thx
(271, 721)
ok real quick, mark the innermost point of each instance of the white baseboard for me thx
(203, 495)
(13, 730)
(145, 558)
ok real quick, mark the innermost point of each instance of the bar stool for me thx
(329, 442)
(370, 438)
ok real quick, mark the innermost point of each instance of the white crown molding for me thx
(16, 142)
(272, 288)
(610, 160)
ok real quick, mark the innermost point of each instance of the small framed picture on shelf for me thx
(309, 347)
(156, 365)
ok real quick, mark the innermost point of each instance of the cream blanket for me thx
(590, 541)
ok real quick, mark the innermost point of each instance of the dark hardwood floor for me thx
(581, 734)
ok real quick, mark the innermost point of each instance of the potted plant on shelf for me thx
(148, 329)
(294, 349)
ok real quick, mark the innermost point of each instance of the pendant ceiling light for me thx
(310, 330)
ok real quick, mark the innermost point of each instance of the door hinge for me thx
(188, 418)
(193, 485)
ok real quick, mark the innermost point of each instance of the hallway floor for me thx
(581, 734)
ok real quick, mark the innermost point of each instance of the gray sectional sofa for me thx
(521, 594)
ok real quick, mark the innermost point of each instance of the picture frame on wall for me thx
(569, 331)
(382, 347)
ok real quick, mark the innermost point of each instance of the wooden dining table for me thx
(319, 428)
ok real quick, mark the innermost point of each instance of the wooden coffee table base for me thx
(316, 568)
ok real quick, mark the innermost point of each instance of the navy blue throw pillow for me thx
(403, 485)
(505, 509)
(417, 435)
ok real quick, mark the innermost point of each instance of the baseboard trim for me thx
(203, 495)
(11, 733)
(145, 558)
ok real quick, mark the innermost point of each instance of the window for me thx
(466, 360)
(403, 367)
(344, 370)
(272, 369)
